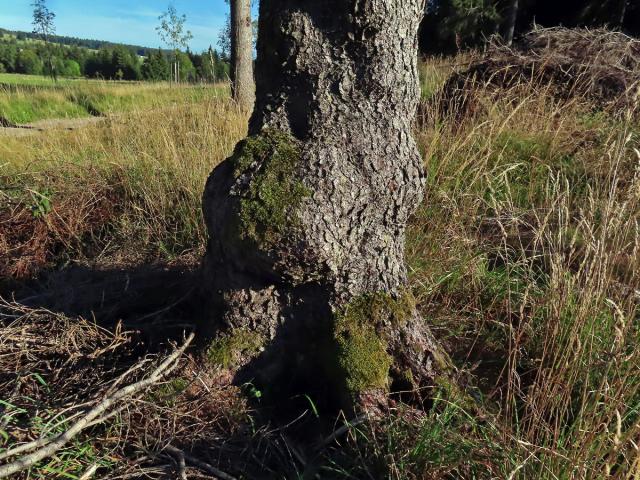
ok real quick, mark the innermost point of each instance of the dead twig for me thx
(91, 471)
(344, 429)
(197, 463)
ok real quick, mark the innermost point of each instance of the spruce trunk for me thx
(512, 18)
(243, 85)
(307, 219)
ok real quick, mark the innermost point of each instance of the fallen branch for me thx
(349, 424)
(48, 447)
(182, 467)
(181, 455)
(41, 442)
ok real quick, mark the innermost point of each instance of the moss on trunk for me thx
(359, 334)
(266, 164)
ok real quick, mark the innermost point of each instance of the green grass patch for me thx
(23, 107)
(36, 80)
(28, 98)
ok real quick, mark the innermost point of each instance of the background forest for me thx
(451, 25)
(22, 52)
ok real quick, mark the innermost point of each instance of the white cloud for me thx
(139, 12)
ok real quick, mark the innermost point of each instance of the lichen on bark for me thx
(265, 165)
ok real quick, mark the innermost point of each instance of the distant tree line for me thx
(76, 42)
(452, 25)
(448, 26)
(111, 62)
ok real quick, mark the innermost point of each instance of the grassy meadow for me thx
(29, 98)
(524, 257)
(36, 80)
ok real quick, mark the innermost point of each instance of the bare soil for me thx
(40, 126)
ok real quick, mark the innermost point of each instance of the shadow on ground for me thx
(158, 300)
(236, 427)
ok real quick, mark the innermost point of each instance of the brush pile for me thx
(599, 66)
(76, 399)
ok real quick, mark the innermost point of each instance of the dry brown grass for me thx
(525, 258)
(148, 165)
(602, 66)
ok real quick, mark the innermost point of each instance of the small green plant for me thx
(168, 393)
(41, 205)
(252, 391)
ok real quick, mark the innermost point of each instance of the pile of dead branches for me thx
(76, 399)
(599, 66)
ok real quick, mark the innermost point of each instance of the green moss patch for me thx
(362, 351)
(268, 206)
(168, 393)
(363, 358)
(229, 348)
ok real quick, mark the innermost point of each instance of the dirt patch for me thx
(40, 126)
(600, 66)
(65, 123)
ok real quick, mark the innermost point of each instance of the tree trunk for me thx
(622, 13)
(307, 219)
(510, 25)
(243, 86)
(212, 62)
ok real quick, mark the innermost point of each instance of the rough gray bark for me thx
(510, 25)
(307, 219)
(243, 85)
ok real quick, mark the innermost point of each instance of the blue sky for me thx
(126, 21)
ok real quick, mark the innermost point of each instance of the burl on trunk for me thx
(305, 265)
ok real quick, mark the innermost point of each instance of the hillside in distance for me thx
(90, 44)
(71, 57)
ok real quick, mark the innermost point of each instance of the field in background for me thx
(524, 257)
(36, 80)
(154, 140)
(26, 98)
